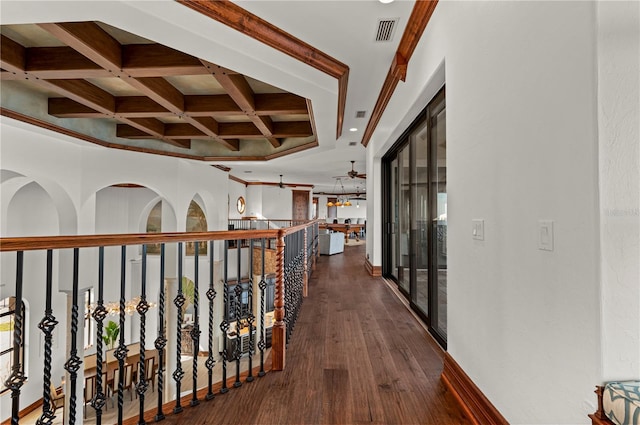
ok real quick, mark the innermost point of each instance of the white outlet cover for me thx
(545, 235)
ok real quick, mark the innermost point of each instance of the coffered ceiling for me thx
(150, 92)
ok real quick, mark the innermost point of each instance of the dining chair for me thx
(150, 372)
(89, 391)
(57, 400)
(106, 389)
(128, 380)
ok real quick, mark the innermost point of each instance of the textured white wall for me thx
(276, 203)
(522, 141)
(619, 158)
(235, 191)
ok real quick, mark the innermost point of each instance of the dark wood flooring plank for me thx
(356, 356)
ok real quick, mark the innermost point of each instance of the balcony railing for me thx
(228, 303)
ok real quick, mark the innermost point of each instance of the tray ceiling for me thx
(150, 96)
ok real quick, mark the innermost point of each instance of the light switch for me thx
(545, 235)
(477, 229)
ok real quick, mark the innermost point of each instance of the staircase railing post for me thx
(278, 338)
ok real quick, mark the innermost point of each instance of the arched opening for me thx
(196, 222)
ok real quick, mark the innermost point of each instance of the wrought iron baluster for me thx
(99, 314)
(211, 295)
(161, 340)
(224, 326)
(179, 301)
(47, 325)
(121, 352)
(142, 308)
(17, 378)
(238, 315)
(263, 286)
(73, 363)
(195, 331)
(250, 317)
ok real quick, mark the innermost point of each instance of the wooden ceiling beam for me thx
(239, 90)
(179, 134)
(62, 62)
(126, 107)
(62, 107)
(280, 104)
(140, 107)
(292, 129)
(160, 91)
(182, 131)
(211, 105)
(91, 41)
(253, 26)
(195, 106)
(97, 45)
(13, 56)
(85, 93)
(156, 60)
(236, 86)
(138, 60)
(231, 144)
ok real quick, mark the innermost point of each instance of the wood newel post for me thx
(279, 333)
(305, 279)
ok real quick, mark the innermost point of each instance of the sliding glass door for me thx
(415, 215)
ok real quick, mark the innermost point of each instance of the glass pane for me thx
(395, 240)
(404, 229)
(421, 216)
(439, 231)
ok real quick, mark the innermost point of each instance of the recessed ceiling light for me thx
(385, 1)
(353, 129)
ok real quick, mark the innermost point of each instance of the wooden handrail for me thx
(88, 241)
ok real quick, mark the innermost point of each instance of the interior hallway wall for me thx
(522, 136)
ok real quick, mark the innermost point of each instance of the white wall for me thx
(522, 135)
(277, 203)
(235, 191)
(619, 159)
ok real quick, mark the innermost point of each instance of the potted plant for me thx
(111, 334)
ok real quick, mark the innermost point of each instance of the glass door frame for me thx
(435, 106)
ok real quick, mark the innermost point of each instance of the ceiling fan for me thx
(353, 173)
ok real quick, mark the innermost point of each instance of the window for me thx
(7, 325)
(89, 324)
(196, 222)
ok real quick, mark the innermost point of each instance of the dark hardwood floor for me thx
(356, 356)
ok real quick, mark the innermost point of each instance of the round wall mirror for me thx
(240, 205)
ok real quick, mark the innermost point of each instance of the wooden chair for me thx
(128, 380)
(149, 369)
(106, 389)
(89, 391)
(57, 400)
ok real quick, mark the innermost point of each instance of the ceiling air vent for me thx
(360, 114)
(353, 143)
(386, 28)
